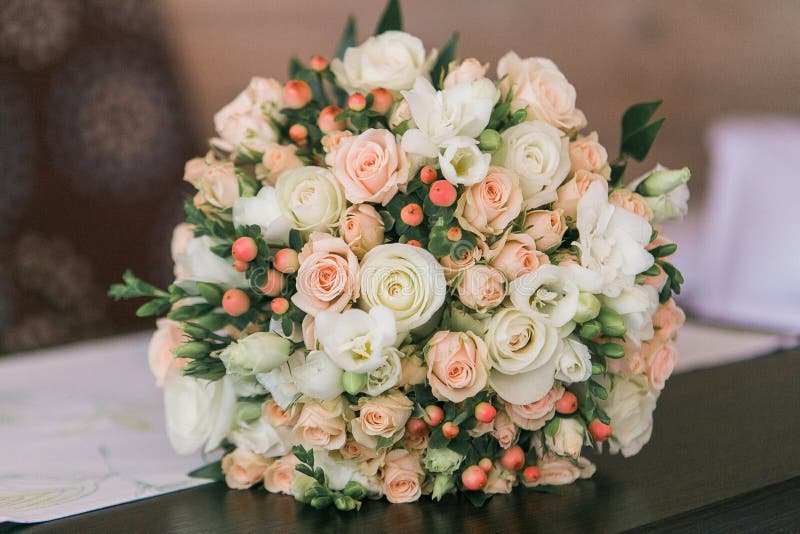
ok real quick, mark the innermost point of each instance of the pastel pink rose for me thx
(453, 267)
(661, 364)
(328, 275)
(633, 202)
(159, 352)
(667, 320)
(456, 365)
(546, 227)
(243, 468)
(505, 431)
(402, 477)
(587, 154)
(482, 288)
(371, 167)
(468, 71)
(488, 207)
(556, 471)
(384, 416)
(570, 193)
(321, 425)
(633, 362)
(500, 480)
(415, 444)
(368, 458)
(533, 416)
(278, 477)
(519, 256)
(277, 416)
(362, 228)
(658, 280)
(331, 141)
(218, 184)
(278, 158)
(181, 235)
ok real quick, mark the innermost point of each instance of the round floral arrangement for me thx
(399, 277)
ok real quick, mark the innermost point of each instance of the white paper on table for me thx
(82, 428)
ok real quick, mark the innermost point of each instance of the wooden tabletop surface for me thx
(725, 455)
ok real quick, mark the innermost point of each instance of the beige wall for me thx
(705, 58)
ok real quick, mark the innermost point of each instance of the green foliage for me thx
(318, 494)
(638, 136)
(212, 471)
(391, 18)
(446, 55)
(133, 287)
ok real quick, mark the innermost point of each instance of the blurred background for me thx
(102, 101)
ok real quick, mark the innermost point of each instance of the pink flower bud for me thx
(296, 93)
(244, 249)
(485, 412)
(513, 459)
(485, 464)
(450, 430)
(443, 193)
(412, 215)
(318, 63)
(567, 404)
(357, 102)
(428, 174)
(240, 266)
(298, 133)
(416, 427)
(279, 305)
(286, 261)
(599, 430)
(382, 100)
(531, 473)
(327, 119)
(474, 478)
(434, 415)
(235, 302)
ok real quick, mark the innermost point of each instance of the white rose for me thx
(461, 111)
(462, 162)
(612, 241)
(392, 60)
(521, 347)
(197, 411)
(263, 210)
(388, 374)
(262, 438)
(553, 291)
(574, 361)
(245, 122)
(405, 279)
(199, 264)
(637, 305)
(568, 439)
(310, 198)
(257, 353)
(630, 405)
(355, 340)
(318, 376)
(468, 71)
(539, 153)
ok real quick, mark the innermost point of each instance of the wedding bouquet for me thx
(440, 286)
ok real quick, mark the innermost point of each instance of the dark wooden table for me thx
(725, 456)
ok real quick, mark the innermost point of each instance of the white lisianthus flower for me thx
(539, 153)
(338, 471)
(568, 439)
(318, 376)
(405, 279)
(630, 405)
(612, 241)
(263, 210)
(462, 162)
(245, 124)
(257, 353)
(198, 411)
(392, 60)
(461, 111)
(386, 376)
(262, 438)
(280, 382)
(574, 361)
(310, 198)
(355, 340)
(665, 191)
(637, 305)
(553, 291)
(199, 264)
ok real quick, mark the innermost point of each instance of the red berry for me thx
(327, 119)
(296, 93)
(450, 430)
(531, 473)
(443, 193)
(428, 174)
(454, 233)
(357, 102)
(416, 427)
(240, 266)
(286, 261)
(513, 459)
(279, 305)
(567, 404)
(414, 243)
(412, 215)
(235, 302)
(318, 63)
(298, 133)
(485, 412)
(434, 415)
(244, 249)
(485, 464)
(474, 478)
(382, 100)
(599, 430)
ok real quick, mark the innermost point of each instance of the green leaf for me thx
(639, 142)
(212, 293)
(551, 428)
(295, 68)
(447, 55)
(192, 311)
(212, 471)
(636, 116)
(133, 287)
(664, 250)
(597, 390)
(391, 18)
(295, 239)
(348, 38)
(154, 307)
(477, 498)
(618, 172)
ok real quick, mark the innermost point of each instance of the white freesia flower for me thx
(612, 241)
(630, 405)
(539, 153)
(263, 210)
(245, 122)
(553, 291)
(261, 437)
(392, 60)
(462, 162)
(387, 375)
(568, 439)
(405, 279)
(461, 111)
(199, 264)
(257, 353)
(198, 411)
(574, 361)
(667, 194)
(636, 304)
(310, 198)
(355, 339)
(318, 376)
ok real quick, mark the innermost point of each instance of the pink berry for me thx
(318, 63)
(286, 261)
(357, 102)
(298, 133)
(244, 249)
(531, 473)
(416, 427)
(274, 283)
(450, 430)
(412, 215)
(599, 430)
(567, 404)
(240, 266)
(327, 119)
(428, 174)
(279, 305)
(414, 243)
(296, 93)
(443, 193)
(485, 464)
(382, 100)
(454, 233)
(485, 412)
(235, 302)
(513, 459)
(434, 415)
(474, 478)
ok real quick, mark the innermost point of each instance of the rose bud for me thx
(433, 415)
(240, 266)
(428, 175)
(357, 102)
(298, 133)
(318, 63)
(414, 243)
(474, 478)
(485, 464)
(531, 473)
(274, 284)
(279, 305)
(454, 233)
(235, 302)
(296, 93)
(485, 412)
(599, 430)
(382, 100)
(412, 215)
(450, 430)
(513, 459)
(443, 193)
(567, 404)
(327, 119)
(416, 427)
(612, 323)
(244, 249)
(286, 261)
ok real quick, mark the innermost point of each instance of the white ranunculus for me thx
(539, 153)
(310, 198)
(280, 382)
(553, 291)
(245, 122)
(354, 339)
(262, 438)
(574, 361)
(666, 192)
(568, 439)
(257, 353)
(197, 411)
(392, 60)
(630, 405)
(637, 305)
(387, 375)
(318, 376)
(264, 211)
(612, 241)
(461, 111)
(462, 162)
(199, 264)
(405, 279)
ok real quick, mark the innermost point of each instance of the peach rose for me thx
(278, 158)
(519, 256)
(456, 365)
(371, 167)
(488, 207)
(572, 190)
(384, 416)
(587, 154)
(667, 320)
(453, 267)
(533, 416)
(661, 364)
(217, 184)
(369, 460)
(415, 444)
(243, 468)
(181, 235)
(331, 141)
(412, 367)
(321, 425)
(361, 227)
(159, 352)
(468, 71)
(555, 471)
(482, 288)
(545, 227)
(633, 202)
(328, 275)
(402, 477)
(280, 474)
(505, 431)
(277, 416)
(500, 480)
(195, 168)
(632, 363)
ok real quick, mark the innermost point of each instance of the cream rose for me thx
(568, 439)
(356, 340)
(518, 256)
(482, 288)
(362, 228)
(321, 425)
(310, 198)
(488, 207)
(505, 431)
(402, 477)
(243, 468)
(263, 210)
(159, 351)
(587, 154)
(574, 361)
(573, 190)
(555, 471)
(371, 167)
(660, 365)
(328, 275)
(218, 184)
(280, 474)
(541, 89)
(246, 123)
(546, 227)
(468, 71)
(630, 405)
(533, 416)
(384, 416)
(388, 374)
(413, 367)
(539, 153)
(500, 480)
(457, 365)
(276, 159)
